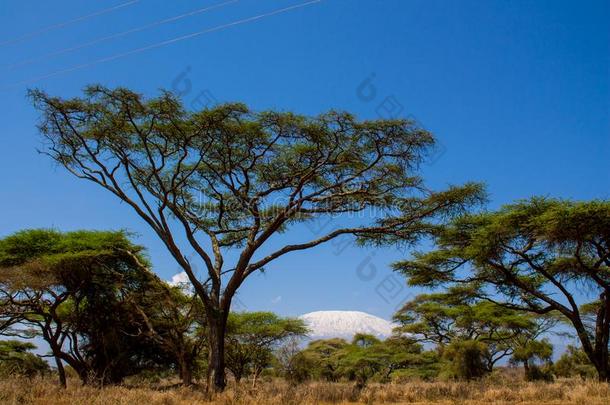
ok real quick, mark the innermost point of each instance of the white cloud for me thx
(180, 279)
(276, 300)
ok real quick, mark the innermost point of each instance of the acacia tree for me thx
(539, 256)
(530, 352)
(322, 358)
(458, 315)
(76, 290)
(228, 178)
(251, 338)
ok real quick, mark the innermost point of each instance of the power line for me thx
(66, 23)
(166, 42)
(120, 34)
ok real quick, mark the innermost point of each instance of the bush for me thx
(539, 373)
(466, 359)
(574, 362)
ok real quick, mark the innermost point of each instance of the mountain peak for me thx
(345, 324)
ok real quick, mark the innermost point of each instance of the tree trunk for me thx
(597, 352)
(602, 372)
(79, 366)
(602, 334)
(216, 366)
(601, 363)
(61, 372)
(255, 375)
(186, 373)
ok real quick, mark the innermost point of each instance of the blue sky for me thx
(517, 93)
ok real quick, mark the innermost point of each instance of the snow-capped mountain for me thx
(345, 324)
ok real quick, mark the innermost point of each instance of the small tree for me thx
(290, 362)
(16, 358)
(252, 338)
(531, 353)
(324, 358)
(237, 178)
(532, 256)
(359, 361)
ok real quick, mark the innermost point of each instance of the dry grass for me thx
(45, 391)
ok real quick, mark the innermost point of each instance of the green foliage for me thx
(230, 178)
(458, 314)
(367, 358)
(290, 363)
(531, 256)
(16, 359)
(534, 350)
(537, 372)
(574, 363)
(323, 358)
(536, 356)
(85, 293)
(426, 366)
(362, 359)
(466, 359)
(252, 338)
(234, 163)
(52, 246)
(175, 328)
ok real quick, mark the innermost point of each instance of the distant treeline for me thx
(93, 299)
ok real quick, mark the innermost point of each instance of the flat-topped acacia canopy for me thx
(230, 178)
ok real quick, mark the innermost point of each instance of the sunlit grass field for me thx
(276, 392)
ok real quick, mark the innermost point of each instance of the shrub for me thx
(466, 359)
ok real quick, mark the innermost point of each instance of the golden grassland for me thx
(276, 392)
